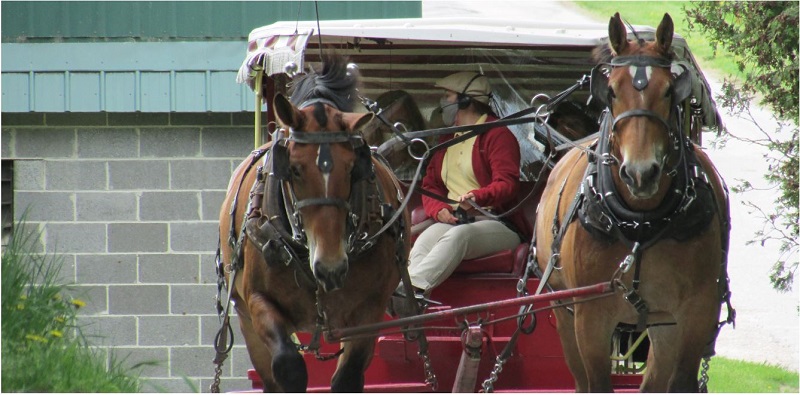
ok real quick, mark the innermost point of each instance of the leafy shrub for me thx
(43, 349)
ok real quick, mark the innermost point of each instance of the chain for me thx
(215, 384)
(703, 385)
(400, 260)
(488, 384)
(221, 344)
(430, 376)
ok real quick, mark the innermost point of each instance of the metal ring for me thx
(538, 96)
(421, 141)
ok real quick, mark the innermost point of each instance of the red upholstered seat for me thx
(506, 261)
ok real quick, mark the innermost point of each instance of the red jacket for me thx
(495, 161)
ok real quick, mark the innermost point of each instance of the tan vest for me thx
(457, 173)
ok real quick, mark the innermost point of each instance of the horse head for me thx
(395, 106)
(323, 158)
(641, 93)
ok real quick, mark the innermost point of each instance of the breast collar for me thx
(685, 211)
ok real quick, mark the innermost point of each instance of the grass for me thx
(43, 349)
(728, 375)
(650, 13)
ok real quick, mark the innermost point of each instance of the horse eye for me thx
(295, 170)
(669, 92)
(611, 94)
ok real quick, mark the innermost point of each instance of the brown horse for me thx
(396, 106)
(310, 255)
(646, 196)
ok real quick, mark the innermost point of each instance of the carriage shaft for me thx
(335, 335)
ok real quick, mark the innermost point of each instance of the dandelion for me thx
(57, 297)
(20, 306)
(56, 333)
(78, 303)
(36, 338)
(23, 297)
(60, 319)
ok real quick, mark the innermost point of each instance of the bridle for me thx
(681, 88)
(598, 177)
(362, 170)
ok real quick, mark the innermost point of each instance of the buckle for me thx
(636, 300)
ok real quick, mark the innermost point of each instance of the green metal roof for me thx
(48, 21)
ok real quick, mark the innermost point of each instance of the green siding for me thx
(44, 21)
(124, 77)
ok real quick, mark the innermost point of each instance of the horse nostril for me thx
(651, 174)
(627, 178)
(639, 176)
(330, 278)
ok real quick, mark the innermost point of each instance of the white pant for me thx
(440, 248)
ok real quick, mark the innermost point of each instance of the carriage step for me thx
(383, 388)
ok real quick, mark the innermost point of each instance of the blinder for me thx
(599, 85)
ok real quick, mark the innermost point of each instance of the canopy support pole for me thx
(258, 89)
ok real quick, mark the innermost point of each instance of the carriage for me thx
(489, 331)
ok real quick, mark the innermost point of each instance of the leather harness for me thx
(273, 221)
(685, 212)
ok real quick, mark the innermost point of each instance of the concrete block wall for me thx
(131, 202)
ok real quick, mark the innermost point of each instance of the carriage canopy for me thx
(521, 58)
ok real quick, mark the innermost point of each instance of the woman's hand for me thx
(445, 216)
(462, 200)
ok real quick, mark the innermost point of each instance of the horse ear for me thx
(355, 121)
(664, 34)
(617, 35)
(286, 112)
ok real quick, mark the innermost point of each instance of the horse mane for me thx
(334, 83)
(602, 53)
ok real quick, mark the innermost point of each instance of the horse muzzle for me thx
(330, 276)
(641, 178)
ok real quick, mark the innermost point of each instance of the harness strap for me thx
(340, 203)
(632, 296)
(560, 230)
(256, 155)
(638, 112)
(569, 217)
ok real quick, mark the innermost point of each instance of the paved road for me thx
(768, 322)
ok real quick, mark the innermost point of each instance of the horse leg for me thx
(288, 367)
(260, 355)
(349, 375)
(660, 359)
(696, 325)
(566, 332)
(593, 329)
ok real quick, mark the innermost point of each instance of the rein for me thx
(519, 117)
